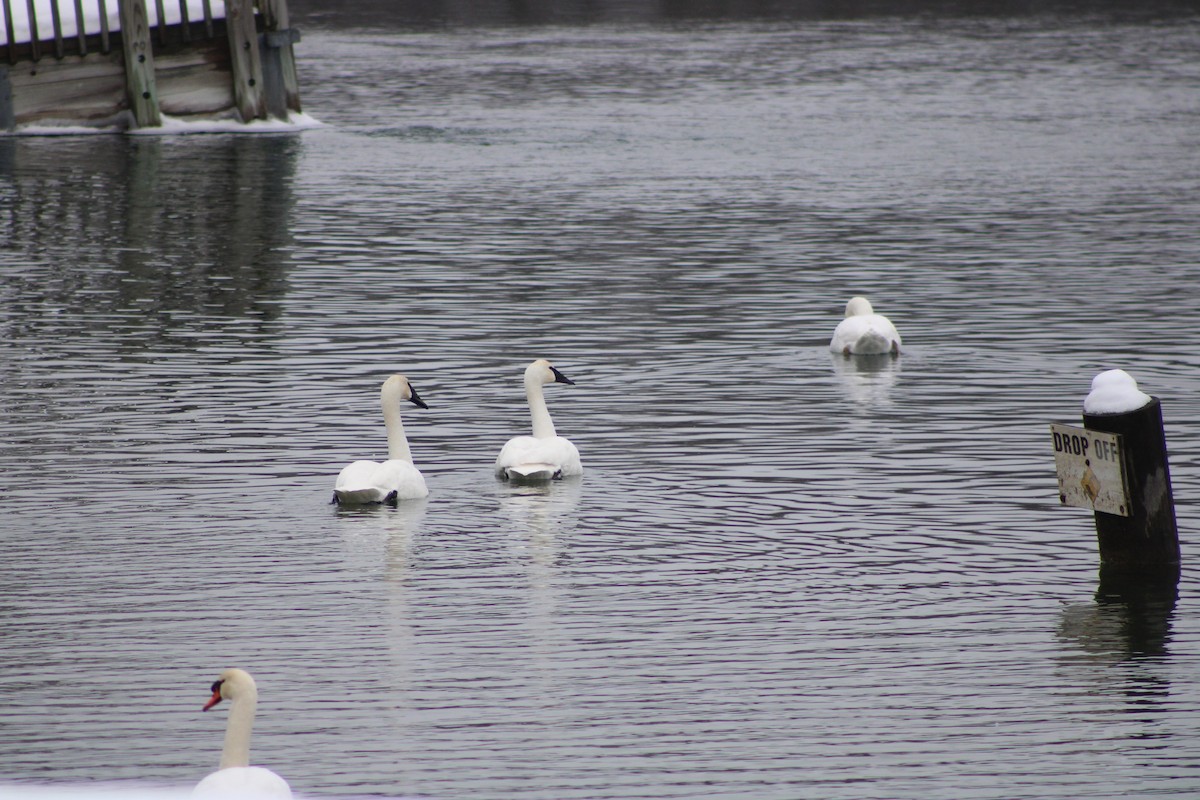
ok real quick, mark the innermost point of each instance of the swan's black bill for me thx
(414, 398)
(560, 378)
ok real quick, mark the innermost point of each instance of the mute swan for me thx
(863, 332)
(236, 779)
(545, 455)
(396, 478)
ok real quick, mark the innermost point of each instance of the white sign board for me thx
(1091, 471)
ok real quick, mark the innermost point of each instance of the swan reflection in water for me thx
(866, 381)
(537, 519)
(537, 515)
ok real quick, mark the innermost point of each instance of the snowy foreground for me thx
(113, 791)
(99, 791)
(296, 121)
(91, 16)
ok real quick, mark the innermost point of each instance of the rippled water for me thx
(782, 574)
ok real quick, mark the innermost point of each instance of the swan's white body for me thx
(863, 332)
(545, 455)
(242, 783)
(236, 779)
(363, 482)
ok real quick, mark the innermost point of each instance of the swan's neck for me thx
(397, 441)
(237, 733)
(543, 427)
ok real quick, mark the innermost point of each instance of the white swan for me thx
(863, 332)
(236, 779)
(395, 479)
(545, 455)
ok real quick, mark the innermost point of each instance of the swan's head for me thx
(397, 388)
(857, 306)
(542, 372)
(231, 685)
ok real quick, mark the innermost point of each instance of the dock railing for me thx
(192, 58)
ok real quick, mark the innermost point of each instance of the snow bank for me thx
(176, 126)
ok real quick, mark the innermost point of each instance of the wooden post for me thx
(80, 30)
(56, 27)
(247, 66)
(8, 120)
(35, 50)
(104, 45)
(281, 86)
(1147, 540)
(10, 46)
(139, 64)
(161, 14)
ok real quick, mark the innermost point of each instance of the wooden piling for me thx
(1147, 540)
(56, 26)
(139, 64)
(80, 32)
(35, 49)
(8, 120)
(247, 64)
(281, 86)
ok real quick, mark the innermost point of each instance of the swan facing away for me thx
(863, 332)
(545, 455)
(236, 779)
(363, 482)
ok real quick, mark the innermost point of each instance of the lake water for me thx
(782, 575)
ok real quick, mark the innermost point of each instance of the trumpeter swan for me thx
(545, 455)
(395, 479)
(236, 778)
(863, 332)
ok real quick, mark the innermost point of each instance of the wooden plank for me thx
(193, 82)
(76, 90)
(139, 64)
(196, 81)
(245, 60)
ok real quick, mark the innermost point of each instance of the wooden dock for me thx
(234, 64)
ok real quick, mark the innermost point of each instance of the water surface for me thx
(783, 574)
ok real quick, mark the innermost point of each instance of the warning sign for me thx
(1091, 471)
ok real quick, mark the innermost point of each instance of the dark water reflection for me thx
(166, 227)
(783, 574)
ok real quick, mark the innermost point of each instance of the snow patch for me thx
(1114, 392)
